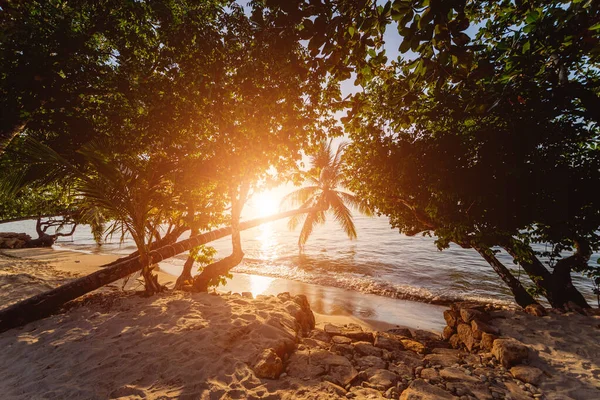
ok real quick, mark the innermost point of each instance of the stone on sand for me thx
(269, 365)
(421, 390)
(527, 374)
(509, 351)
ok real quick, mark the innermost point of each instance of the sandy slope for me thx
(113, 344)
(567, 350)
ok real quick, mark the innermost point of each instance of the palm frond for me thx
(337, 159)
(323, 157)
(296, 220)
(355, 203)
(343, 216)
(300, 196)
(312, 219)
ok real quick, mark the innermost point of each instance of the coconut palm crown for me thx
(324, 178)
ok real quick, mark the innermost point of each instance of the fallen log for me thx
(44, 304)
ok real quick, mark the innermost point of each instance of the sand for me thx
(116, 344)
(335, 305)
(566, 348)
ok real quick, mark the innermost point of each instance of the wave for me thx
(362, 283)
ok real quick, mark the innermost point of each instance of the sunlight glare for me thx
(265, 204)
(258, 284)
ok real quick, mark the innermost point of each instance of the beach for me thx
(114, 343)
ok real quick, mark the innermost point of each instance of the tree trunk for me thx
(222, 267)
(556, 287)
(522, 297)
(562, 284)
(186, 274)
(44, 304)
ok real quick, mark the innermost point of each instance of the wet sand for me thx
(329, 304)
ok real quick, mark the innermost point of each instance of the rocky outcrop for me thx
(12, 240)
(405, 364)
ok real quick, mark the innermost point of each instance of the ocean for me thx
(379, 262)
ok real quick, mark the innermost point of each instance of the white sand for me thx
(567, 350)
(122, 345)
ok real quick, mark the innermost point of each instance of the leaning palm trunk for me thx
(44, 304)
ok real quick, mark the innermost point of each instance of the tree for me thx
(44, 304)
(324, 178)
(491, 142)
(196, 89)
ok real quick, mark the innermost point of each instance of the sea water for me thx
(380, 261)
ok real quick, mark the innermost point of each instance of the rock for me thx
(527, 374)
(424, 336)
(421, 390)
(402, 370)
(391, 393)
(333, 330)
(413, 346)
(428, 339)
(357, 334)
(381, 379)
(284, 296)
(345, 350)
(536, 309)
(388, 341)
(341, 340)
(306, 318)
(445, 360)
(366, 349)
(327, 387)
(451, 318)
(454, 341)
(409, 359)
(509, 352)
(487, 341)
(269, 365)
(247, 295)
(454, 352)
(467, 304)
(369, 362)
(319, 334)
(457, 375)
(479, 328)
(432, 375)
(364, 393)
(334, 368)
(447, 333)
(400, 332)
(465, 333)
(314, 343)
(469, 314)
(515, 392)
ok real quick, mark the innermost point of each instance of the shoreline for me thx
(329, 304)
(118, 344)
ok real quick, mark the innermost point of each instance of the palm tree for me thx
(129, 193)
(324, 178)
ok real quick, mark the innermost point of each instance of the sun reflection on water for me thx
(268, 242)
(259, 284)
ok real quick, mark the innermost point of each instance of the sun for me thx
(265, 203)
